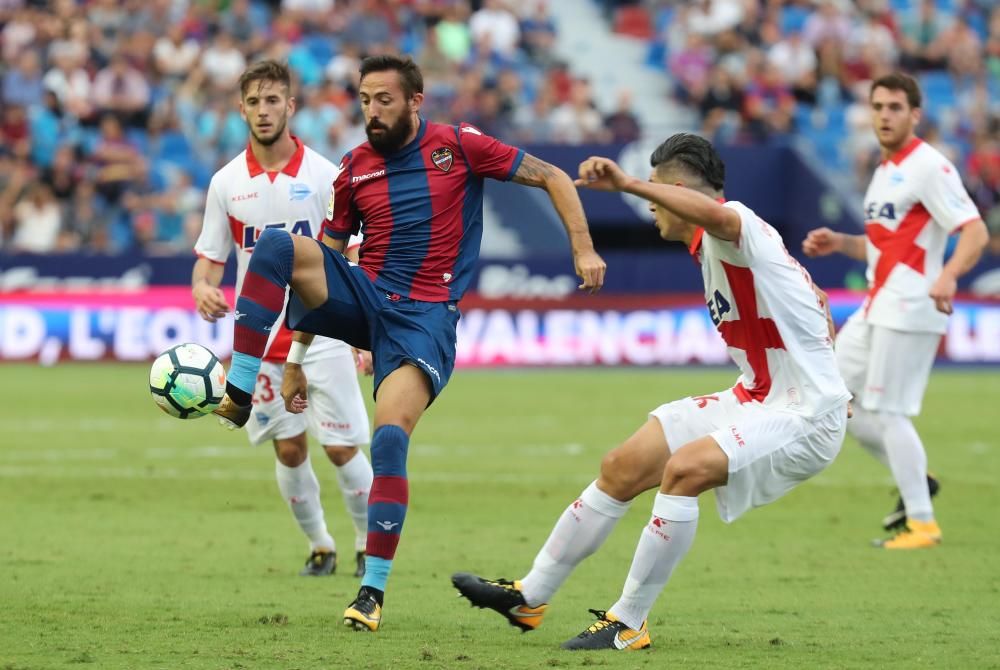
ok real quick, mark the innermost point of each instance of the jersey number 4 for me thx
(717, 306)
(251, 233)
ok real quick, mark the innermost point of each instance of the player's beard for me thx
(279, 130)
(393, 137)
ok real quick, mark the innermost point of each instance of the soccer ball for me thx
(187, 381)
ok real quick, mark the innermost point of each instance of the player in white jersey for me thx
(279, 182)
(886, 348)
(782, 423)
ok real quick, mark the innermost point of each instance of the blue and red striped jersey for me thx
(420, 209)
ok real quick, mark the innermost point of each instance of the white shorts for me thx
(336, 415)
(886, 370)
(770, 452)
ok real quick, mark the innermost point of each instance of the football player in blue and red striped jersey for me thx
(415, 190)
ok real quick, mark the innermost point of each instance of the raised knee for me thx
(687, 475)
(269, 236)
(617, 480)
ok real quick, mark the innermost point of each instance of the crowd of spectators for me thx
(757, 70)
(115, 113)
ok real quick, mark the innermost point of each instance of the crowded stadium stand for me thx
(115, 114)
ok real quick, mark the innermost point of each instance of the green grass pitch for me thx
(132, 540)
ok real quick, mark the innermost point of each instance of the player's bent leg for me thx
(279, 260)
(626, 471)
(308, 277)
(300, 489)
(698, 467)
(400, 401)
(637, 464)
(691, 470)
(354, 476)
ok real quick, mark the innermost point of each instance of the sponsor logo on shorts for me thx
(430, 369)
(335, 425)
(737, 436)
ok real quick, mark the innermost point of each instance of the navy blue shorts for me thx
(395, 329)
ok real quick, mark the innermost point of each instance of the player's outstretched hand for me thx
(363, 360)
(602, 174)
(210, 301)
(821, 242)
(590, 267)
(943, 292)
(293, 388)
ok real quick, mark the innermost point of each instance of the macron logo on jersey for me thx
(366, 177)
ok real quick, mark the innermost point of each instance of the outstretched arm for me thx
(589, 265)
(603, 174)
(823, 242)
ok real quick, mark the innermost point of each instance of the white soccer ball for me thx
(187, 381)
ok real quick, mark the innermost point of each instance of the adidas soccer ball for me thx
(187, 381)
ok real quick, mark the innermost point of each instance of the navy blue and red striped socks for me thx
(386, 503)
(257, 308)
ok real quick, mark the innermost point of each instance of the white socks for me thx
(581, 529)
(664, 542)
(892, 439)
(300, 489)
(908, 462)
(355, 480)
(866, 427)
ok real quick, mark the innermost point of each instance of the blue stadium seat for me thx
(662, 19)
(793, 18)
(803, 117)
(656, 55)
(172, 146)
(939, 88)
(322, 47)
(139, 138)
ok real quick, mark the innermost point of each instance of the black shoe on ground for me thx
(896, 520)
(609, 633)
(320, 564)
(502, 596)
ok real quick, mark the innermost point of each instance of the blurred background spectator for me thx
(114, 113)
